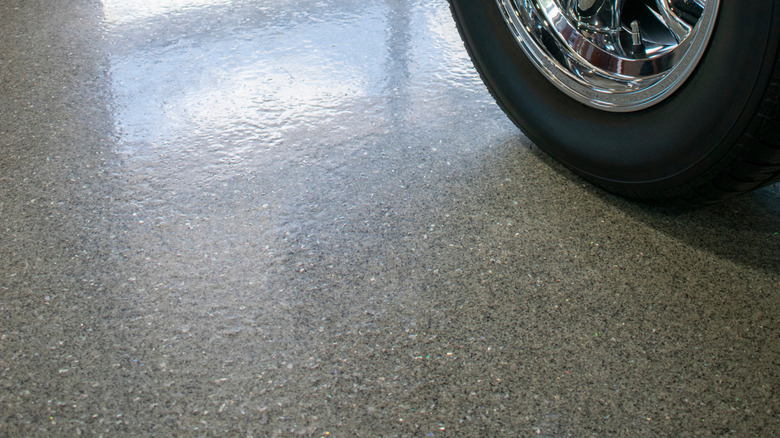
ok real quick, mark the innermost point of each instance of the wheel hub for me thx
(616, 55)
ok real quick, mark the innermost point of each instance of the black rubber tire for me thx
(716, 137)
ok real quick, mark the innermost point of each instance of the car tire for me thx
(714, 136)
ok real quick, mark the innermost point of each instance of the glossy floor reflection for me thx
(242, 218)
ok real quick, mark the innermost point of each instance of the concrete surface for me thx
(240, 218)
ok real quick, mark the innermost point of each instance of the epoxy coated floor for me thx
(276, 218)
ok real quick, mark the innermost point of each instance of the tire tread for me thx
(756, 163)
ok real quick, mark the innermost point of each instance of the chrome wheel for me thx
(616, 55)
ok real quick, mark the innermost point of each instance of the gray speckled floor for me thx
(254, 218)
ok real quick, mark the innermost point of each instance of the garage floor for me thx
(259, 218)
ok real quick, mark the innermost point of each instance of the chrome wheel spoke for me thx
(668, 17)
(598, 15)
(617, 9)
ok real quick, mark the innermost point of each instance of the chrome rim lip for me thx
(597, 77)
